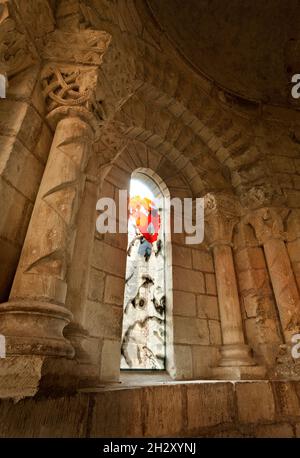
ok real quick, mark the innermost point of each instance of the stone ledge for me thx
(175, 409)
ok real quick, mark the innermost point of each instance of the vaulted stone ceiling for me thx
(248, 47)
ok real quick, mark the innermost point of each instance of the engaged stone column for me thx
(268, 225)
(35, 316)
(221, 215)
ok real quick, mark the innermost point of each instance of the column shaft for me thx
(35, 316)
(230, 313)
(284, 286)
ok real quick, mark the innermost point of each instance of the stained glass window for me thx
(143, 335)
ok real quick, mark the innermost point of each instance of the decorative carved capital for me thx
(72, 90)
(262, 196)
(16, 53)
(221, 214)
(267, 223)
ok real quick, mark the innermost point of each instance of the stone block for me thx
(109, 259)
(184, 304)
(45, 417)
(114, 290)
(209, 404)
(207, 307)
(190, 331)
(112, 414)
(181, 256)
(202, 260)
(204, 359)
(15, 213)
(17, 164)
(255, 402)
(96, 285)
(110, 360)
(163, 410)
(188, 280)
(183, 362)
(103, 320)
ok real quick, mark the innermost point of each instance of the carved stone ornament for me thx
(16, 53)
(262, 196)
(267, 223)
(72, 87)
(221, 214)
(84, 47)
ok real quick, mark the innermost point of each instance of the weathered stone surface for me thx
(114, 290)
(203, 261)
(184, 362)
(46, 417)
(163, 411)
(190, 331)
(188, 280)
(287, 400)
(274, 431)
(109, 259)
(255, 402)
(184, 304)
(110, 360)
(103, 320)
(209, 404)
(208, 307)
(112, 414)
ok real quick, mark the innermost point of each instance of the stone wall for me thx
(207, 409)
(104, 307)
(197, 333)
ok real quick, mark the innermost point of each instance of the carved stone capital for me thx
(262, 196)
(16, 52)
(267, 223)
(71, 90)
(221, 214)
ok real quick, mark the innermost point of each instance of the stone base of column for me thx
(77, 335)
(236, 355)
(35, 328)
(239, 373)
(237, 363)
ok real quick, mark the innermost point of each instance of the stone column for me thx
(35, 316)
(221, 215)
(268, 226)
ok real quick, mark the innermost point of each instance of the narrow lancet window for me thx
(143, 335)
